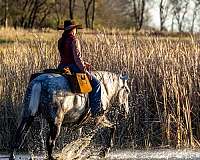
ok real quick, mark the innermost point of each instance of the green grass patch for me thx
(6, 41)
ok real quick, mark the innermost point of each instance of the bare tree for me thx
(194, 15)
(179, 10)
(34, 11)
(59, 10)
(87, 5)
(71, 8)
(93, 13)
(6, 13)
(172, 23)
(136, 10)
(138, 13)
(164, 10)
(112, 13)
(24, 15)
(37, 12)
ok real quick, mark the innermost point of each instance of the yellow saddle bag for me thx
(79, 81)
(84, 83)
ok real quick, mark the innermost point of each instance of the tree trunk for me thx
(44, 17)
(172, 24)
(163, 13)
(138, 13)
(141, 15)
(71, 8)
(6, 14)
(180, 15)
(34, 17)
(24, 15)
(194, 15)
(57, 11)
(87, 16)
(31, 14)
(93, 14)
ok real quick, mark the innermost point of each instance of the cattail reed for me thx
(164, 77)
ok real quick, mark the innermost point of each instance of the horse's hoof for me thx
(12, 157)
(103, 152)
(52, 158)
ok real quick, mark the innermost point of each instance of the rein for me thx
(92, 68)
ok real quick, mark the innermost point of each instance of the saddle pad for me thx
(79, 82)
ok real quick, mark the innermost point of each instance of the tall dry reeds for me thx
(164, 80)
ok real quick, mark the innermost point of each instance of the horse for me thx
(50, 95)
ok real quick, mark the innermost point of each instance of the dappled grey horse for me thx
(49, 94)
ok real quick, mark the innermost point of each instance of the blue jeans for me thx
(94, 95)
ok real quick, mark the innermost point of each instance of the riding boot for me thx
(101, 120)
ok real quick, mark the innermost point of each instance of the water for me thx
(161, 154)
(164, 154)
(80, 149)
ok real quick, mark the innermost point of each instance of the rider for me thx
(70, 53)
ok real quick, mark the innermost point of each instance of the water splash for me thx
(74, 150)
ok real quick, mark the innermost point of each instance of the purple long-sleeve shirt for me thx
(77, 54)
(70, 51)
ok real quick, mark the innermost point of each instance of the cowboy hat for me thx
(69, 24)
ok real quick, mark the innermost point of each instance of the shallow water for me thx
(164, 154)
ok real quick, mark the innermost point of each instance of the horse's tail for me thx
(34, 98)
(31, 102)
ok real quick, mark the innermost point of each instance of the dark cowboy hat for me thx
(70, 24)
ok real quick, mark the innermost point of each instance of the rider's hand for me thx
(88, 66)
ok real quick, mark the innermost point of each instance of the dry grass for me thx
(164, 80)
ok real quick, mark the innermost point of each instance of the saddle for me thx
(79, 82)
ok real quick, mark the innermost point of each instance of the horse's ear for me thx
(124, 74)
(124, 77)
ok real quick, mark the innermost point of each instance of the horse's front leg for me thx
(51, 139)
(107, 138)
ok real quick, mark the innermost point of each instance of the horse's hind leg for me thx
(51, 139)
(41, 137)
(20, 134)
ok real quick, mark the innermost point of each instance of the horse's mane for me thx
(105, 74)
(110, 85)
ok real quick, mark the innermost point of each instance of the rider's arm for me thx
(77, 55)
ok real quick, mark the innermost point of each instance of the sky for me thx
(156, 18)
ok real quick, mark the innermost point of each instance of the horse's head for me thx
(123, 92)
(115, 89)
